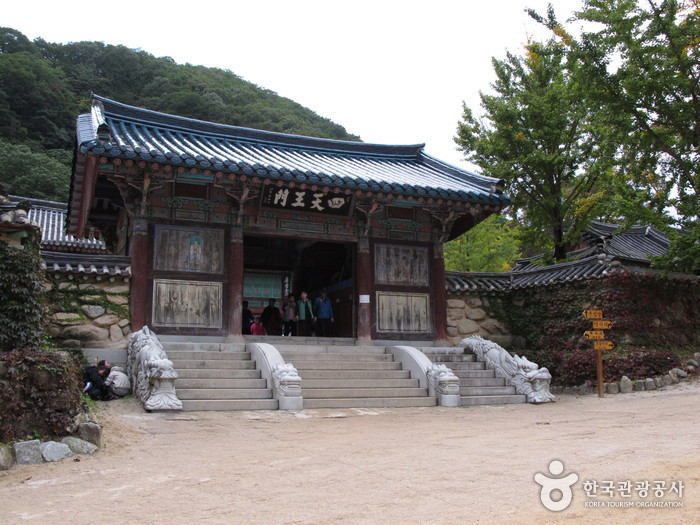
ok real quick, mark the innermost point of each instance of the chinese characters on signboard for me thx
(306, 200)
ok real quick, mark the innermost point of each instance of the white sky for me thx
(392, 72)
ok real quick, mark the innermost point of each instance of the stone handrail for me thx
(438, 379)
(281, 377)
(524, 375)
(151, 372)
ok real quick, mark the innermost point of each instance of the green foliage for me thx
(491, 246)
(540, 136)
(39, 175)
(41, 394)
(649, 312)
(21, 289)
(640, 64)
(44, 86)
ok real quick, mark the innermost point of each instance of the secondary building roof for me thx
(113, 129)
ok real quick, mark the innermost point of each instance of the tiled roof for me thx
(87, 264)
(593, 267)
(51, 217)
(113, 129)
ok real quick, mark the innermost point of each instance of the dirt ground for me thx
(398, 466)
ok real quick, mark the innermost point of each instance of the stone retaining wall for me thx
(89, 311)
(467, 315)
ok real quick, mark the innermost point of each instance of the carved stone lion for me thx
(523, 374)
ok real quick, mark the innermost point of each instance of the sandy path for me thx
(429, 465)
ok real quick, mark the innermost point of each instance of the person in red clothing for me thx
(257, 328)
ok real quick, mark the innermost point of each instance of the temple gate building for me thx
(211, 215)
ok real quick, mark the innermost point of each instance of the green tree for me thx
(539, 136)
(35, 175)
(491, 246)
(641, 65)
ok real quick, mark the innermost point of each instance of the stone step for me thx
(355, 374)
(484, 381)
(466, 365)
(346, 365)
(492, 400)
(450, 358)
(202, 347)
(219, 383)
(334, 393)
(369, 402)
(329, 349)
(298, 356)
(357, 383)
(486, 390)
(473, 374)
(192, 405)
(218, 373)
(179, 355)
(180, 364)
(224, 393)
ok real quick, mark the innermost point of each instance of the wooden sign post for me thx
(597, 335)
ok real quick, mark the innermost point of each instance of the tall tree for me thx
(641, 64)
(539, 136)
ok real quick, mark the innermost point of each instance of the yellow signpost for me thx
(599, 343)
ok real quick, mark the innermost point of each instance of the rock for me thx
(667, 380)
(501, 340)
(626, 385)
(87, 286)
(53, 451)
(476, 314)
(696, 356)
(118, 299)
(451, 331)
(455, 303)
(467, 327)
(613, 388)
(65, 285)
(71, 343)
(7, 458)
(494, 327)
(682, 374)
(79, 446)
(91, 432)
(28, 452)
(53, 330)
(455, 314)
(658, 382)
(587, 389)
(92, 311)
(649, 384)
(106, 320)
(475, 302)
(123, 323)
(116, 289)
(674, 377)
(66, 318)
(639, 386)
(693, 362)
(115, 333)
(86, 333)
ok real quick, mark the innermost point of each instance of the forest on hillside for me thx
(44, 86)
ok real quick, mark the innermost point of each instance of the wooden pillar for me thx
(364, 290)
(138, 291)
(234, 285)
(439, 293)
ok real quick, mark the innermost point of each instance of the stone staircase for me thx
(336, 376)
(477, 384)
(218, 376)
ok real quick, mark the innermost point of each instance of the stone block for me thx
(28, 452)
(86, 333)
(649, 384)
(452, 331)
(123, 323)
(667, 380)
(126, 331)
(613, 388)
(7, 458)
(587, 389)
(117, 288)
(682, 374)
(455, 314)
(92, 311)
(65, 285)
(696, 356)
(53, 451)
(658, 382)
(639, 386)
(693, 362)
(674, 377)
(53, 330)
(115, 333)
(476, 314)
(455, 303)
(87, 286)
(91, 432)
(118, 299)
(71, 343)
(66, 318)
(467, 326)
(626, 385)
(106, 320)
(79, 446)
(493, 327)
(475, 302)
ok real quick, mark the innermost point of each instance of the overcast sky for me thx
(392, 72)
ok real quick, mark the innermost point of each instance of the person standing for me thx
(246, 320)
(257, 328)
(305, 314)
(324, 314)
(272, 319)
(290, 316)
